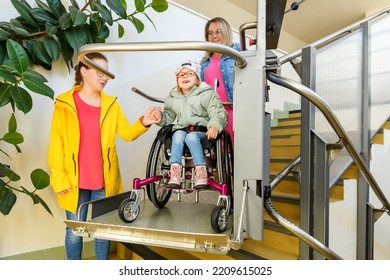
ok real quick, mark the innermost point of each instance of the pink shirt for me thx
(90, 152)
(213, 71)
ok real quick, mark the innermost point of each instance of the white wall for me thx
(29, 228)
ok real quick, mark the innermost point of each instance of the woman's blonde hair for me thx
(78, 79)
(226, 31)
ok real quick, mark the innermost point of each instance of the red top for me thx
(90, 153)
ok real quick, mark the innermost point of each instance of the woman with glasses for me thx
(82, 153)
(199, 114)
(219, 66)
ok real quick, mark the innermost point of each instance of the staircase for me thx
(278, 243)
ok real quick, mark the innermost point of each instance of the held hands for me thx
(152, 116)
(212, 132)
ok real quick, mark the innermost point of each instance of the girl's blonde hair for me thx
(78, 79)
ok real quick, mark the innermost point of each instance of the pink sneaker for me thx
(175, 173)
(200, 177)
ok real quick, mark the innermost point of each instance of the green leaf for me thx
(65, 21)
(24, 11)
(124, 4)
(160, 5)
(32, 195)
(104, 12)
(150, 21)
(78, 17)
(121, 31)
(22, 98)
(41, 201)
(40, 179)
(87, 34)
(17, 56)
(117, 7)
(42, 5)
(13, 138)
(18, 28)
(5, 94)
(56, 7)
(30, 73)
(12, 124)
(37, 48)
(74, 4)
(137, 24)
(140, 5)
(37, 86)
(66, 50)
(6, 75)
(51, 29)
(8, 200)
(75, 37)
(9, 173)
(52, 47)
(4, 35)
(44, 16)
(104, 32)
(3, 52)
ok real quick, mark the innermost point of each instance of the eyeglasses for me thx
(99, 74)
(216, 33)
(188, 74)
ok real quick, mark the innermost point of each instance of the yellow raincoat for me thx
(64, 146)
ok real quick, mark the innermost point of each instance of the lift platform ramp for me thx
(185, 224)
(180, 225)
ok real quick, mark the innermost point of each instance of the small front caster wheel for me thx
(219, 219)
(128, 211)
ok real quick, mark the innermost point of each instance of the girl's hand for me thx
(152, 116)
(212, 132)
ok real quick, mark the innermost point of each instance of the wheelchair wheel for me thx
(127, 211)
(227, 163)
(219, 219)
(149, 163)
(159, 165)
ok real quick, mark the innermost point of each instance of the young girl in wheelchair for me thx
(199, 115)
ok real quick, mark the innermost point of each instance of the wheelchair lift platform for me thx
(179, 225)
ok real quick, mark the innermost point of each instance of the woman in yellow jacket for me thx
(82, 154)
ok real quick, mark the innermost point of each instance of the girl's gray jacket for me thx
(201, 107)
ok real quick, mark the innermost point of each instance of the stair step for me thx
(291, 151)
(289, 121)
(274, 246)
(286, 130)
(285, 140)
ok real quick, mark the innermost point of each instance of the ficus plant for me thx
(43, 33)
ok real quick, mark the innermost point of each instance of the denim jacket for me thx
(227, 71)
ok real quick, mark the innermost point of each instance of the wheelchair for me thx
(220, 165)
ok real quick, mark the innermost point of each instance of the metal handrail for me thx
(334, 36)
(326, 110)
(240, 61)
(294, 229)
(161, 100)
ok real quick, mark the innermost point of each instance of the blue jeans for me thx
(194, 143)
(74, 243)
